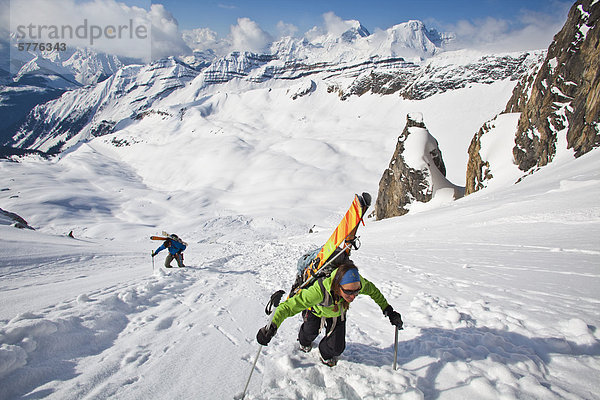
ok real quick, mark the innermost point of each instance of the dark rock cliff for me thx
(558, 99)
(565, 96)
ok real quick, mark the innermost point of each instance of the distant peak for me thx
(348, 30)
(355, 32)
(359, 28)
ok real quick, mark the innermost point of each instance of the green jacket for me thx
(312, 296)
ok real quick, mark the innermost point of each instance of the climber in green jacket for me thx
(325, 303)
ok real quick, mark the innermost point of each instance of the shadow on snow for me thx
(467, 345)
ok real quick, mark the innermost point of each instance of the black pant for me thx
(333, 344)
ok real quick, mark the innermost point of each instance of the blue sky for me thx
(220, 15)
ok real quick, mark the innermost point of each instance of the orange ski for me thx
(344, 233)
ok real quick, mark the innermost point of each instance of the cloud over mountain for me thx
(106, 26)
(247, 35)
(531, 30)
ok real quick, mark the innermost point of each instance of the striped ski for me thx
(344, 233)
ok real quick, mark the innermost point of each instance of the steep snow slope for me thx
(498, 292)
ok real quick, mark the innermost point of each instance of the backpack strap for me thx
(327, 300)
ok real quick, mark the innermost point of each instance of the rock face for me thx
(558, 101)
(415, 173)
(478, 170)
(9, 218)
(418, 82)
(565, 96)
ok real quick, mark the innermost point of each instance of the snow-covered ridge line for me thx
(261, 68)
(114, 103)
(88, 112)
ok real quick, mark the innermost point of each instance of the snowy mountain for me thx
(498, 290)
(346, 49)
(75, 66)
(61, 123)
(95, 111)
(410, 40)
(40, 76)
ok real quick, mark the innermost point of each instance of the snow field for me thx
(490, 310)
(498, 290)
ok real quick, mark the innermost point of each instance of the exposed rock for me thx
(437, 79)
(415, 173)
(478, 170)
(565, 96)
(557, 99)
(302, 89)
(415, 82)
(522, 91)
(9, 218)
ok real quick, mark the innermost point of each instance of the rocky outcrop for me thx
(415, 173)
(302, 89)
(9, 218)
(565, 96)
(478, 170)
(558, 99)
(414, 82)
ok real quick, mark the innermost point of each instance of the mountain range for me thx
(407, 60)
(40, 76)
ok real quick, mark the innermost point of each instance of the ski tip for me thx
(365, 199)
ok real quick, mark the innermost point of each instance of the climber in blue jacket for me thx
(175, 247)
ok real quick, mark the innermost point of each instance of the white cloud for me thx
(103, 25)
(205, 39)
(227, 6)
(166, 38)
(285, 29)
(334, 25)
(531, 30)
(247, 35)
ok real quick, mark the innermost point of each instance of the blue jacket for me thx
(174, 248)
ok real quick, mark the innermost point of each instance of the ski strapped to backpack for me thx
(336, 250)
(166, 236)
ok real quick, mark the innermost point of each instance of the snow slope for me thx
(499, 290)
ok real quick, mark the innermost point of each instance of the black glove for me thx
(266, 333)
(153, 254)
(395, 318)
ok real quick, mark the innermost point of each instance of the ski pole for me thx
(271, 305)
(395, 348)
(251, 371)
(152, 261)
